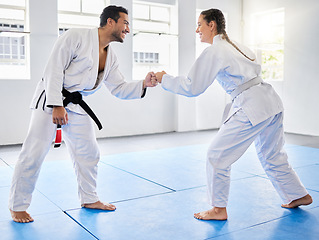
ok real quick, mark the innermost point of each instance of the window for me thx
(145, 57)
(146, 17)
(12, 49)
(13, 40)
(155, 43)
(80, 13)
(268, 38)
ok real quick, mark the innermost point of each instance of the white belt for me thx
(241, 88)
(245, 86)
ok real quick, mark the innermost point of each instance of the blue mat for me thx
(157, 192)
(176, 168)
(253, 201)
(309, 176)
(5, 176)
(57, 181)
(40, 204)
(50, 226)
(300, 224)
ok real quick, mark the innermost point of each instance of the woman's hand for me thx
(159, 76)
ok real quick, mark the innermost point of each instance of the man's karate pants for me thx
(79, 136)
(231, 142)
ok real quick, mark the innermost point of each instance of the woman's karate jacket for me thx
(221, 61)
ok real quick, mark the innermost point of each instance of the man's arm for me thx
(63, 53)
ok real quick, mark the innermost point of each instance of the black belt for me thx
(76, 98)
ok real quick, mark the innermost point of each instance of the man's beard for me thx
(117, 36)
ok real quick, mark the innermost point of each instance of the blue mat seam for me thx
(157, 194)
(312, 189)
(258, 224)
(80, 225)
(49, 199)
(252, 226)
(140, 177)
(5, 163)
(185, 189)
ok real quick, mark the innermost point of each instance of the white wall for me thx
(186, 107)
(154, 113)
(299, 90)
(15, 95)
(161, 111)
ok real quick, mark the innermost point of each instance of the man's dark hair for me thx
(113, 12)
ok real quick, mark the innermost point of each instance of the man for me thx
(80, 61)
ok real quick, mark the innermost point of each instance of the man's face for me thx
(121, 28)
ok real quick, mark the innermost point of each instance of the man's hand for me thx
(150, 80)
(59, 115)
(159, 76)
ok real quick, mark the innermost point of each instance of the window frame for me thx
(170, 31)
(16, 66)
(81, 14)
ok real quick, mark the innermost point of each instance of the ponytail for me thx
(225, 36)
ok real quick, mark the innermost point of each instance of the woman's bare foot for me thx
(100, 205)
(21, 217)
(306, 200)
(215, 213)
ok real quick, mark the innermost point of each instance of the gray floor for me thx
(115, 145)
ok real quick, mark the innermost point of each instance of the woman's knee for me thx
(213, 158)
(222, 159)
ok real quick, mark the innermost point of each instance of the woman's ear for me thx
(212, 25)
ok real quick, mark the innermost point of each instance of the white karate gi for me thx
(256, 115)
(73, 65)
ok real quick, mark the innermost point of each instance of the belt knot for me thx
(75, 97)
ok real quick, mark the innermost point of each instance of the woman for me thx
(256, 115)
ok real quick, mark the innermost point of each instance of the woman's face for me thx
(205, 30)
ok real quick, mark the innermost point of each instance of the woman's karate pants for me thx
(79, 136)
(231, 142)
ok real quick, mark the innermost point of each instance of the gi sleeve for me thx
(64, 51)
(116, 84)
(200, 77)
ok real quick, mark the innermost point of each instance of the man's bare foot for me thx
(21, 217)
(215, 213)
(306, 200)
(100, 205)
